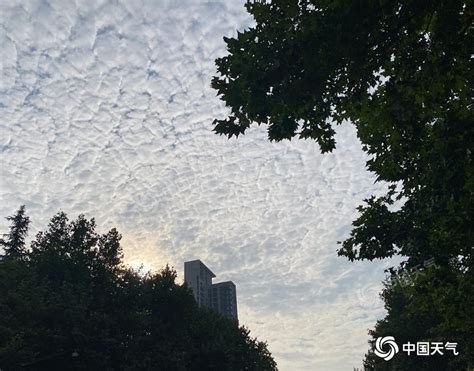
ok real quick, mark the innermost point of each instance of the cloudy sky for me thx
(106, 109)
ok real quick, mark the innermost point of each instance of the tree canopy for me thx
(401, 73)
(13, 243)
(70, 303)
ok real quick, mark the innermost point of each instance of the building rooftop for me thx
(204, 265)
(224, 283)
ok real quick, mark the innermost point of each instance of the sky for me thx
(106, 110)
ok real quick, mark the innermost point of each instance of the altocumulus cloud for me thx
(106, 110)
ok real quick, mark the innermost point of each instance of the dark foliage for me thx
(401, 72)
(69, 303)
(13, 243)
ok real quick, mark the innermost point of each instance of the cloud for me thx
(106, 109)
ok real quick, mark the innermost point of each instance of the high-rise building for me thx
(199, 278)
(221, 297)
(224, 298)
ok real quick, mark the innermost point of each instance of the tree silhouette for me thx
(401, 72)
(13, 242)
(72, 304)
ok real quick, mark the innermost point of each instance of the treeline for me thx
(68, 302)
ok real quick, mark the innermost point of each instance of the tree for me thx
(401, 72)
(72, 304)
(13, 243)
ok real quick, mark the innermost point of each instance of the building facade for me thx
(199, 278)
(224, 299)
(222, 296)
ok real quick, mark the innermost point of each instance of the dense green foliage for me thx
(401, 72)
(13, 242)
(69, 302)
(438, 307)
